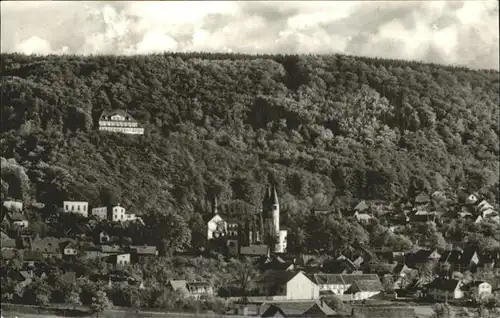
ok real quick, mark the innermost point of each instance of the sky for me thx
(445, 32)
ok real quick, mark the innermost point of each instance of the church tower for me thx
(271, 217)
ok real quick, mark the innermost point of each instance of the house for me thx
(48, 246)
(192, 289)
(13, 205)
(138, 252)
(422, 199)
(364, 289)
(361, 207)
(120, 259)
(362, 217)
(286, 285)
(119, 121)
(478, 290)
(338, 284)
(216, 227)
(115, 213)
(17, 219)
(441, 289)
(421, 257)
(340, 266)
(316, 308)
(79, 207)
(254, 250)
(460, 260)
(68, 248)
(274, 262)
(7, 242)
(104, 237)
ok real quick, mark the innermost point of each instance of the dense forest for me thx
(328, 130)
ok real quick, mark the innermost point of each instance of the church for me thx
(259, 234)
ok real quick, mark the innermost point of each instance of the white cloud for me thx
(434, 31)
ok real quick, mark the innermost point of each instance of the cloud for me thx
(452, 32)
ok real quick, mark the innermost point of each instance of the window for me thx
(72, 207)
(84, 208)
(67, 208)
(78, 208)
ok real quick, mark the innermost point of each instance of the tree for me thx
(441, 311)
(242, 273)
(73, 298)
(100, 302)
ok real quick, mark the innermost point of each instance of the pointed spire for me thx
(274, 197)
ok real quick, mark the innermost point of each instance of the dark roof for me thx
(277, 277)
(109, 113)
(350, 279)
(46, 245)
(443, 284)
(361, 206)
(296, 308)
(458, 257)
(422, 197)
(371, 285)
(143, 250)
(16, 216)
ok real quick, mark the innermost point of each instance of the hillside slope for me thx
(323, 127)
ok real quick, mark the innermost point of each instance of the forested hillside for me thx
(327, 129)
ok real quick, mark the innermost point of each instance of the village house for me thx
(119, 121)
(115, 213)
(69, 249)
(478, 290)
(422, 201)
(192, 289)
(460, 260)
(316, 308)
(361, 212)
(138, 252)
(119, 259)
(7, 242)
(441, 289)
(17, 218)
(421, 257)
(339, 283)
(364, 289)
(79, 207)
(274, 262)
(286, 285)
(104, 237)
(13, 205)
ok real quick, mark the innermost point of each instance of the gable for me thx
(216, 219)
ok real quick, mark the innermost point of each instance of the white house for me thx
(69, 249)
(80, 207)
(286, 285)
(441, 289)
(119, 121)
(115, 213)
(123, 259)
(216, 227)
(480, 289)
(340, 283)
(13, 205)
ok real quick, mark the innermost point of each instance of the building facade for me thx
(119, 121)
(80, 207)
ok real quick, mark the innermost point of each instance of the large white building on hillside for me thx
(119, 121)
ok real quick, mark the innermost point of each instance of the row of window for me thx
(84, 208)
(118, 123)
(124, 130)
